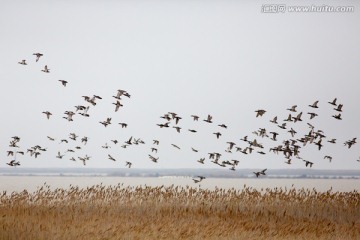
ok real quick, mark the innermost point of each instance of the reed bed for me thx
(173, 212)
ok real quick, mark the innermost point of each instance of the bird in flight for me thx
(48, 114)
(201, 160)
(260, 112)
(200, 178)
(338, 116)
(257, 174)
(314, 105)
(128, 164)
(308, 163)
(23, 62)
(333, 102)
(175, 146)
(292, 109)
(111, 158)
(208, 119)
(153, 158)
(63, 82)
(46, 69)
(13, 163)
(328, 157)
(218, 134)
(38, 55)
(274, 120)
(339, 108)
(117, 105)
(69, 114)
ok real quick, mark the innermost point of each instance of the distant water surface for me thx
(31, 183)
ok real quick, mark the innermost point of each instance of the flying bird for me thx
(38, 55)
(195, 117)
(48, 114)
(339, 108)
(338, 116)
(292, 109)
(333, 102)
(23, 62)
(46, 69)
(208, 119)
(260, 112)
(175, 146)
(111, 158)
(63, 82)
(314, 105)
(117, 105)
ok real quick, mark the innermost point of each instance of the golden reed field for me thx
(121, 212)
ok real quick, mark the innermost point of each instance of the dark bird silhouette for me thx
(312, 115)
(338, 116)
(111, 158)
(175, 146)
(177, 128)
(257, 174)
(107, 122)
(13, 163)
(46, 69)
(129, 141)
(22, 62)
(328, 157)
(292, 109)
(260, 112)
(308, 163)
(153, 158)
(218, 134)
(274, 135)
(319, 144)
(209, 117)
(38, 55)
(339, 108)
(274, 120)
(200, 178)
(201, 160)
(231, 145)
(289, 118)
(195, 117)
(69, 114)
(298, 117)
(333, 102)
(194, 150)
(48, 114)
(117, 105)
(63, 82)
(350, 143)
(50, 138)
(314, 105)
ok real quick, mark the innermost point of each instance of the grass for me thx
(143, 212)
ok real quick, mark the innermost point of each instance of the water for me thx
(31, 183)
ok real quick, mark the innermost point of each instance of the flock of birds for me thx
(290, 148)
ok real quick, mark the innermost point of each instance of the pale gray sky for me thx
(224, 58)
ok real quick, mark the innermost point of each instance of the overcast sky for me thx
(224, 58)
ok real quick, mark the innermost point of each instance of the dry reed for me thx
(143, 212)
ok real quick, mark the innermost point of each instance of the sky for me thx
(223, 58)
